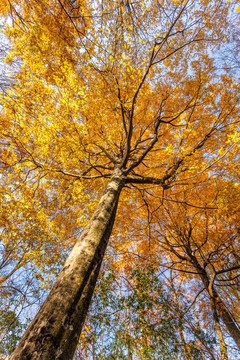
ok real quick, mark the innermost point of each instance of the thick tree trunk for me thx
(55, 331)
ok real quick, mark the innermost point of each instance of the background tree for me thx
(134, 317)
(200, 243)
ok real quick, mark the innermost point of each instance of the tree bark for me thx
(219, 305)
(185, 346)
(55, 331)
(227, 319)
(223, 347)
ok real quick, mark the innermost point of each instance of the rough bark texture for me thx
(55, 331)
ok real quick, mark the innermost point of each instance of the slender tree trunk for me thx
(55, 331)
(128, 335)
(223, 347)
(185, 346)
(222, 311)
(180, 326)
(227, 320)
(208, 348)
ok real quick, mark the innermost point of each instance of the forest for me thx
(119, 180)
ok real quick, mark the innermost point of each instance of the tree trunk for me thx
(227, 319)
(222, 311)
(223, 347)
(185, 346)
(55, 331)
